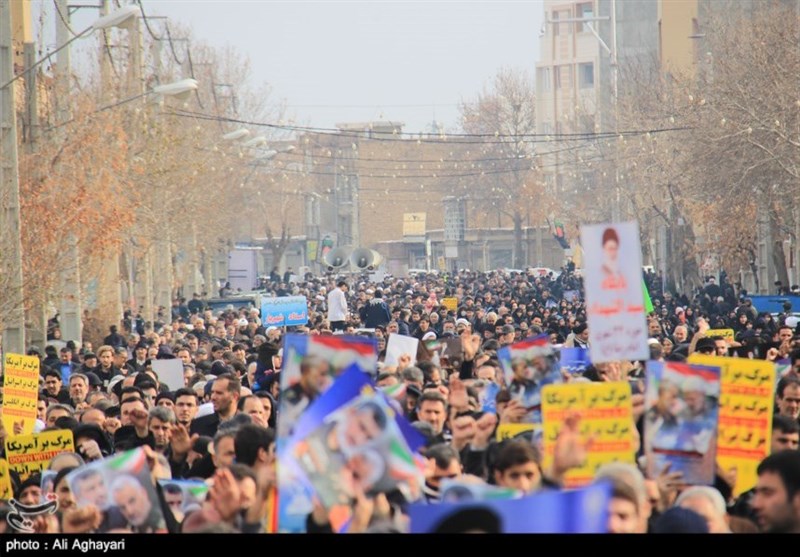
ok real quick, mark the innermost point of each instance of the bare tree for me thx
(506, 112)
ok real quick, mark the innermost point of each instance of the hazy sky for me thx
(337, 61)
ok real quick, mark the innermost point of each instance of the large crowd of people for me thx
(220, 427)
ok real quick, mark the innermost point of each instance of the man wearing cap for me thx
(463, 325)
(273, 334)
(95, 385)
(508, 335)
(376, 313)
(136, 363)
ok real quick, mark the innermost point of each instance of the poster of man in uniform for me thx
(528, 366)
(120, 487)
(681, 411)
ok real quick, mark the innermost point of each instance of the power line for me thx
(64, 20)
(497, 135)
(363, 173)
(543, 138)
(172, 47)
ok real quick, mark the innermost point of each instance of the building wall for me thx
(677, 21)
(574, 107)
(565, 102)
(389, 176)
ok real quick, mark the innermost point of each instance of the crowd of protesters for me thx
(220, 427)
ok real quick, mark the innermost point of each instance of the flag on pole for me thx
(648, 303)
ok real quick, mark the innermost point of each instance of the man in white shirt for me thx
(337, 307)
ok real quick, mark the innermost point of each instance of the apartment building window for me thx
(543, 79)
(563, 76)
(584, 11)
(586, 75)
(560, 28)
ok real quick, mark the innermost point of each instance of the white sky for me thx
(335, 61)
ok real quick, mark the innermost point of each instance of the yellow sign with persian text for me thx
(28, 454)
(20, 392)
(606, 423)
(744, 435)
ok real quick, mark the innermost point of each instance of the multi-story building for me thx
(369, 184)
(583, 43)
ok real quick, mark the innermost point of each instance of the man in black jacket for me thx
(376, 312)
(114, 339)
(225, 393)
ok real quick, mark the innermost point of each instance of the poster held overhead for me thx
(614, 297)
(680, 420)
(399, 345)
(170, 372)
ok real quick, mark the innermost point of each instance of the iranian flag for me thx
(133, 461)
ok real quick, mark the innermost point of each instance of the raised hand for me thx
(180, 442)
(570, 449)
(225, 494)
(484, 428)
(458, 399)
(81, 520)
(513, 413)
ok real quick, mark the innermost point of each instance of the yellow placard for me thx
(606, 414)
(510, 431)
(20, 392)
(28, 454)
(727, 334)
(746, 398)
(450, 303)
(6, 491)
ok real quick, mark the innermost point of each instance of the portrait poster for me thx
(615, 302)
(121, 487)
(528, 366)
(680, 427)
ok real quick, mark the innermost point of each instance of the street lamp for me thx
(13, 337)
(255, 142)
(236, 135)
(178, 89)
(119, 18)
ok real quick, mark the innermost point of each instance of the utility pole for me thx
(71, 314)
(36, 320)
(164, 279)
(13, 340)
(104, 61)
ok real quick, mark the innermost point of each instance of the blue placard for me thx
(284, 311)
(582, 511)
(774, 304)
(575, 360)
